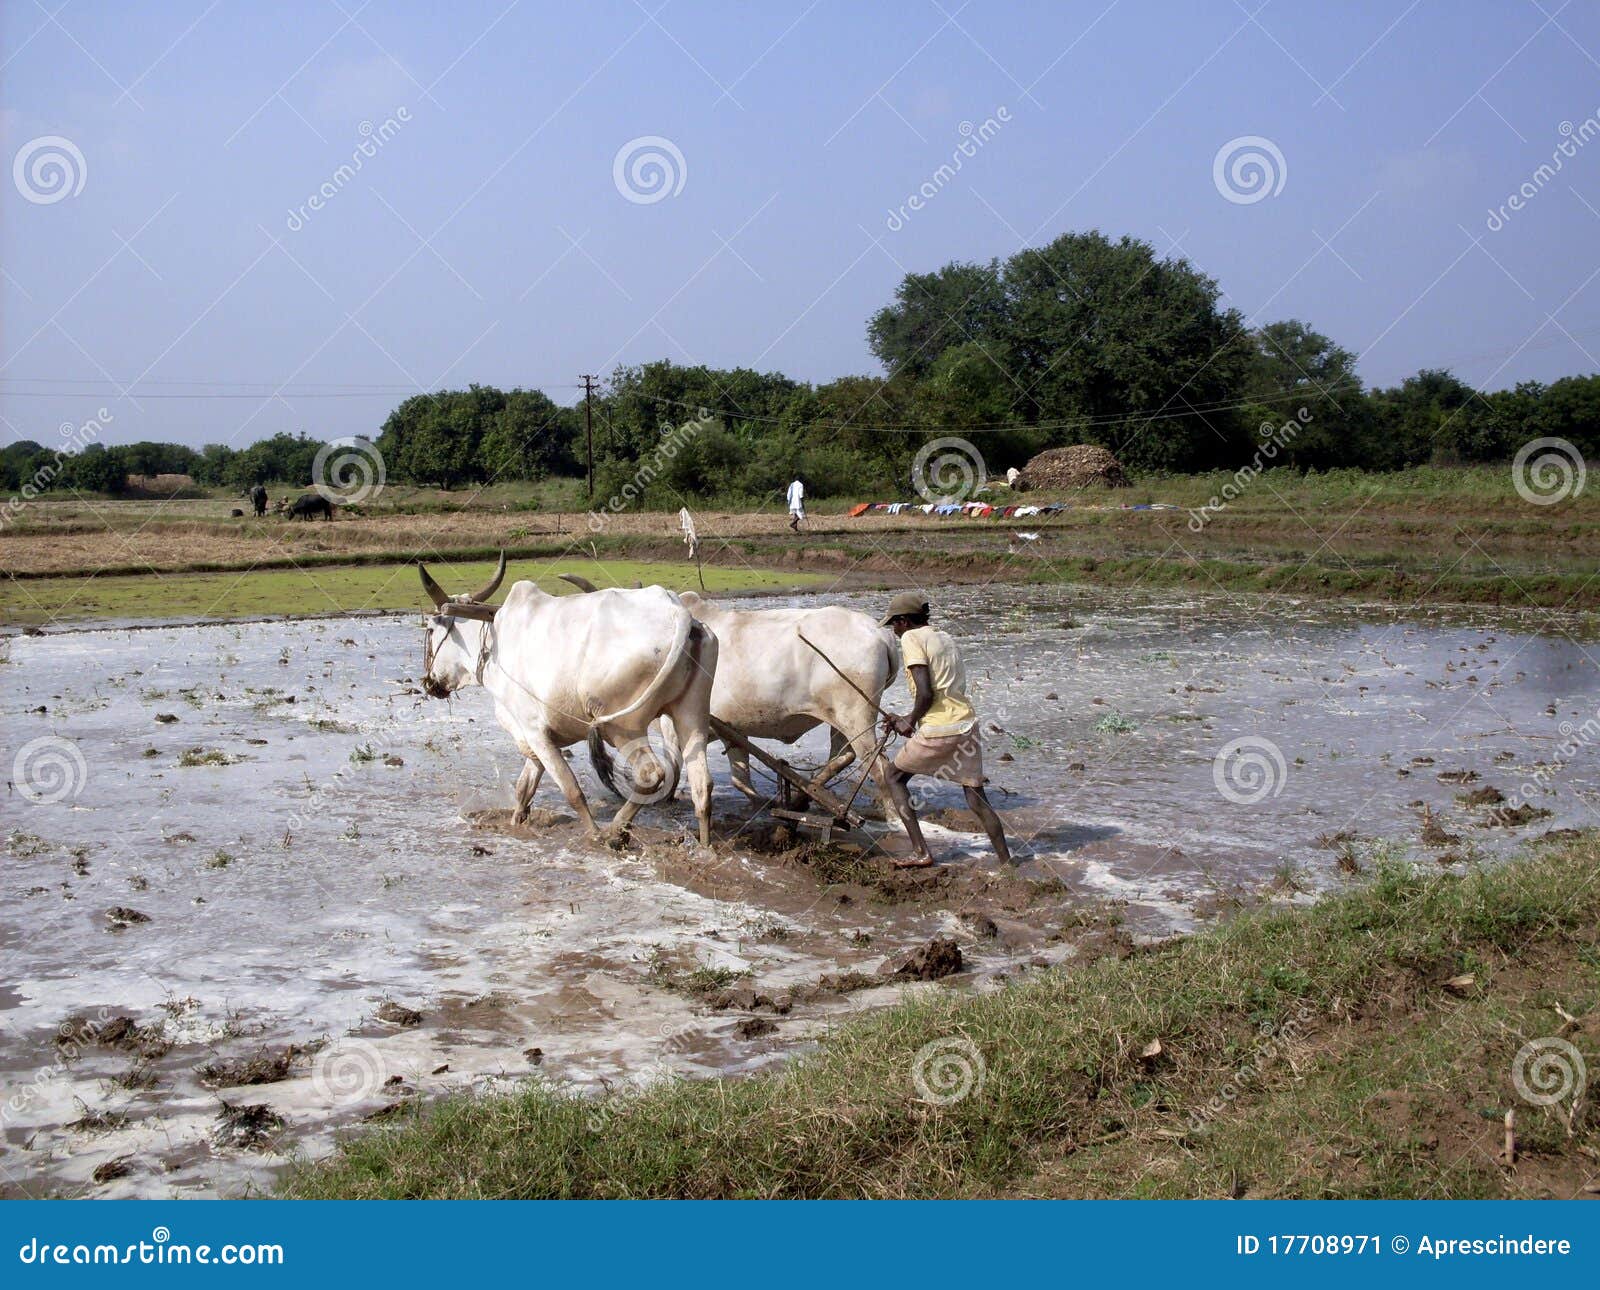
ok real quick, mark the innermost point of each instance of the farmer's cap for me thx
(906, 604)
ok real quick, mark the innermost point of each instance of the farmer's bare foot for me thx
(914, 862)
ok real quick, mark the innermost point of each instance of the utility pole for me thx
(588, 427)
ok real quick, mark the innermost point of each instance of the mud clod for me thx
(263, 1068)
(940, 957)
(397, 1014)
(979, 924)
(1511, 817)
(117, 1167)
(755, 1027)
(247, 1127)
(121, 916)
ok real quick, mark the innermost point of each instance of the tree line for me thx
(1085, 340)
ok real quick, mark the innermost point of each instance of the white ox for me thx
(565, 669)
(770, 684)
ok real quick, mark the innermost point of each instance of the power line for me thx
(1116, 418)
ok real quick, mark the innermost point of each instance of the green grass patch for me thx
(333, 589)
(1108, 1078)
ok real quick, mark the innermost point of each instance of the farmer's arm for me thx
(922, 687)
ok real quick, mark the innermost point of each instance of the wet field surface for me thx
(258, 890)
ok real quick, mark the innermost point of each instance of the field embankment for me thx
(1419, 536)
(1362, 1047)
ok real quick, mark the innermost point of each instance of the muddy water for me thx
(305, 879)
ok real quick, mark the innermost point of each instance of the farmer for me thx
(941, 728)
(797, 504)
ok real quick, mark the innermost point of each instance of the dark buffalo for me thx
(258, 499)
(309, 504)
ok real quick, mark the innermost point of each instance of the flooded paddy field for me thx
(257, 890)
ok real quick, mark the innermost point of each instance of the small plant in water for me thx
(1114, 723)
(362, 754)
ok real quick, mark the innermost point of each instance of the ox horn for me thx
(493, 584)
(434, 590)
(578, 581)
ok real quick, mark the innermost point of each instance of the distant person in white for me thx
(797, 504)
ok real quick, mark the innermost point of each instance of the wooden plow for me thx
(828, 812)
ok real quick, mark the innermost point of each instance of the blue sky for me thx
(487, 239)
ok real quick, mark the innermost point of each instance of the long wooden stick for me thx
(822, 796)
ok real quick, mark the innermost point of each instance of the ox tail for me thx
(654, 693)
(604, 765)
(620, 781)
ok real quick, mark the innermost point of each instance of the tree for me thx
(211, 466)
(932, 312)
(1136, 351)
(529, 437)
(97, 469)
(1294, 367)
(1423, 419)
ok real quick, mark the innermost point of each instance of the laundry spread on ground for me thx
(991, 510)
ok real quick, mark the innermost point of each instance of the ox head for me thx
(452, 649)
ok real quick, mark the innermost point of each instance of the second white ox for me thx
(599, 669)
(770, 684)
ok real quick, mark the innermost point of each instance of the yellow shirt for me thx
(951, 713)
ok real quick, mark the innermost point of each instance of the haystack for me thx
(1081, 466)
